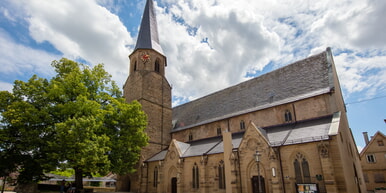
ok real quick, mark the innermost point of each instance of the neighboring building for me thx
(294, 117)
(373, 160)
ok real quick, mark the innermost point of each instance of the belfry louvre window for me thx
(195, 177)
(302, 170)
(157, 65)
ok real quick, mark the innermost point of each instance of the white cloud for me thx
(5, 86)
(212, 44)
(81, 29)
(359, 73)
(18, 60)
(245, 36)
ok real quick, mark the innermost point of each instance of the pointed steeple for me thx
(148, 32)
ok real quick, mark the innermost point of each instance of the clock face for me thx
(145, 58)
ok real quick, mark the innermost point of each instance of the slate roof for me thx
(299, 132)
(305, 78)
(159, 156)
(148, 31)
(200, 147)
(311, 130)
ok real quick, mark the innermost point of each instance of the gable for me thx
(373, 145)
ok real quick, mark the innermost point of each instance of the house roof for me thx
(148, 31)
(303, 79)
(371, 142)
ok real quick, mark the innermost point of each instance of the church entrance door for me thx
(255, 184)
(174, 185)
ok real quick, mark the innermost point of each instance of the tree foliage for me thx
(77, 119)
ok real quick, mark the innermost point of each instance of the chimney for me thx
(366, 136)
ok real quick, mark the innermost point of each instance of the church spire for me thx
(148, 32)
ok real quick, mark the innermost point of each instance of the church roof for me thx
(303, 79)
(148, 31)
(300, 132)
(200, 147)
(311, 130)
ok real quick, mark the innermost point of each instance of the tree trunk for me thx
(78, 179)
(2, 188)
(27, 188)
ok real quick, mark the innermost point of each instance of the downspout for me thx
(293, 109)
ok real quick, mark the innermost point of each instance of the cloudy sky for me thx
(209, 44)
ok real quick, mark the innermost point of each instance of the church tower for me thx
(148, 85)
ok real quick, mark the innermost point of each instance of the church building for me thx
(282, 132)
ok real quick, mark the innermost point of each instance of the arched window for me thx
(190, 136)
(155, 182)
(195, 177)
(157, 65)
(221, 175)
(302, 170)
(242, 125)
(287, 116)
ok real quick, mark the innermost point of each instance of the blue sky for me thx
(209, 44)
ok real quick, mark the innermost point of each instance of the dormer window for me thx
(287, 116)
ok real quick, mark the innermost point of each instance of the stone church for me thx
(282, 132)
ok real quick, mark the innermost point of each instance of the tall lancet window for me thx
(195, 177)
(221, 175)
(155, 182)
(302, 170)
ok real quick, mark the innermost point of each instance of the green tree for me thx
(78, 119)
